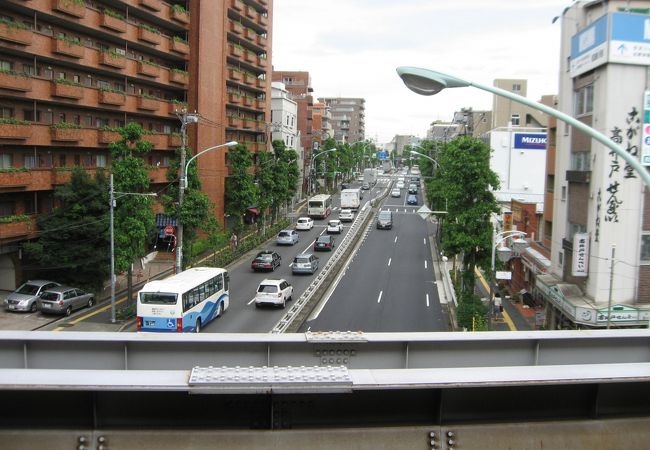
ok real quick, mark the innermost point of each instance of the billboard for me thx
(530, 141)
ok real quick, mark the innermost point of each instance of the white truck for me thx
(351, 199)
(369, 177)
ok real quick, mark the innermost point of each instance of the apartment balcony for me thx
(70, 8)
(69, 91)
(153, 5)
(178, 77)
(148, 104)
(112, 60)
(112, 98)
(18, 229)
(157, 175)
(67, 134)
(261, 83)
(236, 27)
(236, 50)
(250, 57)
(148, 69)
(180, 16)
(237, 5)
(14, 131)
(14, 34)
(251, 13)
(261, 40)
(262, 61)
(174, 140)
(63, 175)
(108, 137)
(260, 104)
(159, 141)
(149, 36)
(113, 23)
(263, 20)
(234, 98)
(235, 122)
(68, 48)
(248, 101)
(181, 47)
(175, 107)
(250, 35)
(250, 79)
(234, 74)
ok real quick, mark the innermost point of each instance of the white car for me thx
(304, 223)
(273, 292)
(346, 215)
(400, 185)
(396, 193)
(334, 226)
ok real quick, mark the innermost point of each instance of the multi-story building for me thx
(299, 86)
(71, 72)
(599, 243)
(440, 131)
(506, 112)
(348, 118)
(323, 129)
(473, 123)
(284, 115)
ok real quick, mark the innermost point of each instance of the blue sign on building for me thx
(382, 156)
(530, 141)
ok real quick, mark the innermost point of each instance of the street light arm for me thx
(429, 82)
(227, 144)
(427, 157)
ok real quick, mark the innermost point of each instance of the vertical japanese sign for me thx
(645, 137)
(580, 265)
(507, 221)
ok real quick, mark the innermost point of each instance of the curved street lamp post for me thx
(311, 167)
(504, 256)
(182, 185)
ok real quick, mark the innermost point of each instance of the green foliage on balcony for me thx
(10, 23)
(149, 97)
(180, 40)
(180, 9)
(13, 73)
(70, 41)
(14, 218)
(149, 28)
(180, 72)
(13, 121)
(114, 14)
(67, 82)
(65, 126)
(146, 62)
(14, 170)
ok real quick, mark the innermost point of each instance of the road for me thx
(390, 284)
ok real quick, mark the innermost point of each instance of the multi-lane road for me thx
(388, 285)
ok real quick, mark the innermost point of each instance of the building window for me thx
(62, 161)
(645, 248)
(28, 69)
(87, 160)
(584, 100)
(77, 160)
(581, 161)
(6, 160)
(7, 208)
(28, 114)
(514, 120)
(100, 161)
(563, 198)
(6, 113)
(30, 204)
(29, 161)
(45, 161)
(88, 121)
(516, 87)
(5, 66)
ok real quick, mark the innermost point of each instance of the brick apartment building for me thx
(73, 71)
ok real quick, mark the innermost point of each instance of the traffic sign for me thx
(169, 230)
(424, 212)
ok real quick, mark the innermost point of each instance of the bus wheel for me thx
(197, 329)
(220, 310)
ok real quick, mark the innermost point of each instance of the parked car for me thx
(64, 300)
(304, 223)
(287, 237)
(334, 226)
(412, 200)
(346, 215)
(324, 242)
(384, 220)
(25, 298)
(273, 292)
(305, 263)
(266, 260)
(396, 193)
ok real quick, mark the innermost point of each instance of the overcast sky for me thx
(352, 47)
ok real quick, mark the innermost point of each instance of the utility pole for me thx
(185, 119)
(111, 201)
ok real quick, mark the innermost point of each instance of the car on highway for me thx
(365, 186)
(25, 298)
(305, 263)
(346, 215)
(324, 242)
(413, 188)
(400, 185)
(412, 200)
(64, 300)
(396, 192)
(287, 237)
(304, 223)
(334, 226)
(273, 292)
(266, 260)
(384, 220)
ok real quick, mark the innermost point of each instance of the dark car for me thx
(412, 200)
(384, 220)
(266, 260)
(324, 243)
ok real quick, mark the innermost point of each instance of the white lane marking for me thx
(380, 294)
(425, 263)
(251, 301)
(396, 239)
(389, 260)
(424, 241)
(427, 300)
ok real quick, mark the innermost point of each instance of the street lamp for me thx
(182, 185)
(429, 82)
(311, 166)
(111, 201)
(413, 152)
(504, 255)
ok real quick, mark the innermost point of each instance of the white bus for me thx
(319, 206)
(184, 302)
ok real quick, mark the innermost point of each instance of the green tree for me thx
(134, 218)
(268, 180)
(466, 183)
(74, 244)
(241, 191)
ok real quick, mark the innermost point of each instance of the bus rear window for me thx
(157, 298)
